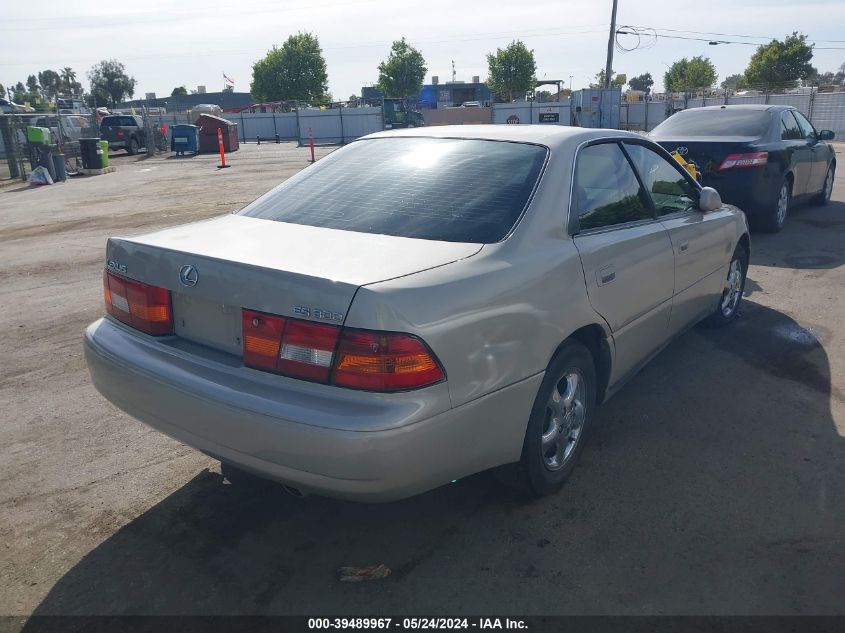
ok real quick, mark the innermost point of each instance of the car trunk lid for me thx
(708, 154)
(216, 267)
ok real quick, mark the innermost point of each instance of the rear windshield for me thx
(727, 122)
(118, 120)
(453, 190)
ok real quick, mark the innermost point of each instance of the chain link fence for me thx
(18, 156)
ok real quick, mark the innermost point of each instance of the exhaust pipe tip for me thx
(294, 492)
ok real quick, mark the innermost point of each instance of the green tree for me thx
(51, 83)
(543, 96)
(32, 85)
(779, 61)
(2, 91)
(616, 81)
(179, 91)
(512, 70)
(296, 71)
(69, 85)
(733, 82)
(110, 83)
(402, 73)
(686, 75)
(643, 83)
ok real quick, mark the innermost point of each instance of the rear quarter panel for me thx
(499, 316)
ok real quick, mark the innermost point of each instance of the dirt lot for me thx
(714, 483)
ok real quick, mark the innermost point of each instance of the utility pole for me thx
(608, 69)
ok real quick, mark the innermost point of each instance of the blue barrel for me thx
(184, 138)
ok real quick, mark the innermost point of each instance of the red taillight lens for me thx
(262, 335)
(738, 161)
(382, 361)
(119, 133)
(144, 307)
(308, 350)
(376, 361)
(288, 346)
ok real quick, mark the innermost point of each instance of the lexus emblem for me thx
(189, 276)
(683, 151)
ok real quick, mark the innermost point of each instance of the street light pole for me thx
(608, 69)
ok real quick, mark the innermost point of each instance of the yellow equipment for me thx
(690, 166)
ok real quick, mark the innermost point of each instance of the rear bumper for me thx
(283, 429)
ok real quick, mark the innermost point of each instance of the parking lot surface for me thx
(714, 483)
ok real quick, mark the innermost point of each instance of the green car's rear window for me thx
(453, 190)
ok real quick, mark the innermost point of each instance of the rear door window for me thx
(606, 191)
(453, 190)
(790, 131)
(670, 190)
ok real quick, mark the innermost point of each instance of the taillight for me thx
(119, 133)
(293, 347)
(358, 359)
(382, 361)
(308, 350)
(737, 161)
(262, 335)
(144, 307)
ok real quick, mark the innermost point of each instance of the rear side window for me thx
(718, 122)
(669, 189)
(606, 191)
(789, 127)
(453, 190)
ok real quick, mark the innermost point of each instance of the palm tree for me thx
(68, 79)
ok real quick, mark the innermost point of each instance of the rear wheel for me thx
(824, 197)
(773, 219)
(558, 424)
(132, 148)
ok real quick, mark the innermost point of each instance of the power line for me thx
(759, 37)
(585, 29)
(704, 39)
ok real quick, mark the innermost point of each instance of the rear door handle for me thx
(683, 247)
(605, 275)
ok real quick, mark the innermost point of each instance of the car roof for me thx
(744, 106)
(552, 136)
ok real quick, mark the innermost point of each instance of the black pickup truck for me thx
(123, 131)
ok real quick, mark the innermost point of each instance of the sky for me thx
(191, 42)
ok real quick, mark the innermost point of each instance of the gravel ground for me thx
(714, 482)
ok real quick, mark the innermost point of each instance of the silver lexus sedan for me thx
(418, 306)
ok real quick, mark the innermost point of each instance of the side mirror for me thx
(826, 135)
(709, 199)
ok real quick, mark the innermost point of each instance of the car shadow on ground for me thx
(711, 484)
(815, 236)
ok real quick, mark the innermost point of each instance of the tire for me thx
(827, 190)
(727, 308)
(132, 148)
(773, 219)
(546, 464)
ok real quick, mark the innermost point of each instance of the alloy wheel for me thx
(783, 204)
(828, 184)
(565, 416)
(733, 289)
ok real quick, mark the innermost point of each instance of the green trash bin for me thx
(104, 148)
